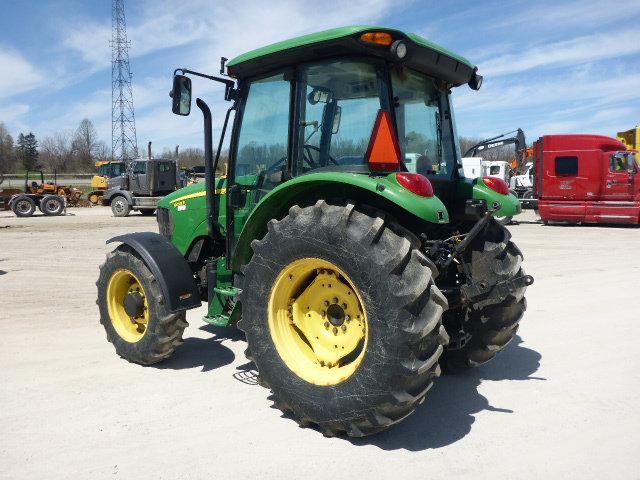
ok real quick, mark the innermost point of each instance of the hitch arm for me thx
(469, 237)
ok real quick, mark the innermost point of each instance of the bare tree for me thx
(7, 151)
(85, 143)
(56, 152)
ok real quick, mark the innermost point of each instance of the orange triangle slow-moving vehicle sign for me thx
(383, 153)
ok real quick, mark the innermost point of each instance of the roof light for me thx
(497, 185)
(379, 38)
(383, 152)
(399, 49)
(416, 183)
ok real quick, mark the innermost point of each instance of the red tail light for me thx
(497, 185)
(416, 183)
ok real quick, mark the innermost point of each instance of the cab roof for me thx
(422, 55)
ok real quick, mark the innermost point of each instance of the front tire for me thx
(370, 272)
(133, 311)
(120, 206)
(489, 327)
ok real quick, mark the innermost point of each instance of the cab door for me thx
(619, 179)
(139, 182)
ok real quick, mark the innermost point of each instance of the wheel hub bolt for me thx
(344, 328)
(326, 324)
(335, 330)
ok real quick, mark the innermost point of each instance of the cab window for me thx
(425, 123)
(140, 167)
(338, 107)
(261, 156)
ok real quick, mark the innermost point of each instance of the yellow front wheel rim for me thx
(127, 305)
(317, 321)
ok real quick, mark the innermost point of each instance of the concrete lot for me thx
(561, 402)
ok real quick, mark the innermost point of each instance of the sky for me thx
(548, 66)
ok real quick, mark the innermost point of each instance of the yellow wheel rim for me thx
(317, 321)
(127, 305)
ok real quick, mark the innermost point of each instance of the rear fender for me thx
(167, 265)
(382, 192)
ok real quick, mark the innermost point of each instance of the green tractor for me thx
(343, 240)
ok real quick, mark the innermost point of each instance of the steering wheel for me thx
(309, 157)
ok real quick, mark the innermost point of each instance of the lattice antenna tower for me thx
(124, 144)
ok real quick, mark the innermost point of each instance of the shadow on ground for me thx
(447, 414)
(208, 353)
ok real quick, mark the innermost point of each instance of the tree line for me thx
(69, 151)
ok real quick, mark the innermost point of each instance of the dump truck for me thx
(354, 280)
(100, 182)
(144, 182)
(586, 179)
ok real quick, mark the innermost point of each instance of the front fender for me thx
(167, 265)
(509, 204)
(383, 190)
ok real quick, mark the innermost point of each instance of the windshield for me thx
(424, 121)
(624, 161)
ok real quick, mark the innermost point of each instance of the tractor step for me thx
(227, 291)
(217, 320)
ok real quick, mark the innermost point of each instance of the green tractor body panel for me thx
(422, 55)
(306, 188)
(509, 204)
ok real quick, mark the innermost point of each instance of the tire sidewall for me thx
(23, 214)
(44, 205)
(379, 366)
(134, 351)
(120, 206)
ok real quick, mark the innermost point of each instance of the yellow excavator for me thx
(631, 138)
(106, 169)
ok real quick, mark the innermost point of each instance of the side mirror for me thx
(181, 95)
(336, 120)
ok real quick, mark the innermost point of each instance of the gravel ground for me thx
(560, 402)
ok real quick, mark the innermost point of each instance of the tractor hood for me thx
(420, 54)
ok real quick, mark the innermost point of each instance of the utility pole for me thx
(124, 144)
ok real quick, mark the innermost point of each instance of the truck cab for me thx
(142, 184)
(586, 178)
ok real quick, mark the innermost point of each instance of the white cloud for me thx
(18, 75)
(566, 53)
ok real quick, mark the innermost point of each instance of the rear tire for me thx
(402, 308)
(120, 206)
(23, 206)
(147, 338)
(491, 327)
(52, 205)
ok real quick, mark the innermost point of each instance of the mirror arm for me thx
(230, 92)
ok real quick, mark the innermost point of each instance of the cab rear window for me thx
(566, 166)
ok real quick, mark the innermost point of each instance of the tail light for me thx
(497, 185)
(416, 183)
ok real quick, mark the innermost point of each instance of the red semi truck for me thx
(586, 178)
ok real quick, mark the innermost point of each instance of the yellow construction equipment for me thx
(631, 138)
(106, 169)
